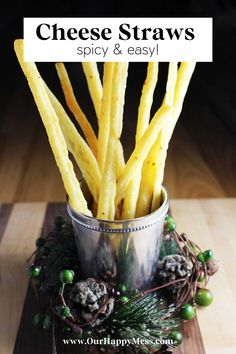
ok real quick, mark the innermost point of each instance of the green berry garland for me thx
(177, 337)
(200, 257)
(205, 256)
(204, 297)
(124, 299)
(66, 328)
(37, 320)
(122, 288)
(170, 223)
(66, 276)
(41, 321)
(64, 312)
(187, 312)
(47, 322)
(40, 242)
(34, 271)
(208, 255)
(37, 282)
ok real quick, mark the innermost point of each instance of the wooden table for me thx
(210, 222)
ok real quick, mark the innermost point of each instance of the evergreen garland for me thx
(147, 317)
(152, 317)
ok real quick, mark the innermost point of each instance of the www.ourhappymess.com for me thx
(116, 342)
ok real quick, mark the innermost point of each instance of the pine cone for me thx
(174, 267)
(90, 301)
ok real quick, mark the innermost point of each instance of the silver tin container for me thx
(120, 251)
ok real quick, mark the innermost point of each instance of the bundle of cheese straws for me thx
(120, 189)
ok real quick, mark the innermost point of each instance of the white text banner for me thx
(118, 39)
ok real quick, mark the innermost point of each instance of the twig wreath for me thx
(91, 308)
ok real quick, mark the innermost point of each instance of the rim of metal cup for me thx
(120, 226)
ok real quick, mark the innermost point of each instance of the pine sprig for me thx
(57, 253)
(127, 259)
(147, 317)
(146, 309)
(169, 246)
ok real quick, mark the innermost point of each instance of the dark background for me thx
(203, 145)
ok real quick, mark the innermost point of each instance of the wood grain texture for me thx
(211, 223)
(28, 171)
(38, 342)
(5, 211)
(24, 342)
(193, 341)
(18, 242)
(187, 174)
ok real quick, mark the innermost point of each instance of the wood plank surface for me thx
(28, 171)
(23, 227)
(42, 342)
(210, 223)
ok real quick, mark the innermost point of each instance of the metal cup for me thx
(120, 251)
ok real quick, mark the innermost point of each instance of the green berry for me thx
(47, 323)
(170, 223)
(37, 282)
(34, 271)
(169, 218)
(187, 312)
(201, 257)
(66, 276)
(204, 297)
(124, 299)
(66, 328)
(201, 278)
(64, 311)
(208, 255)
(37, 320)
(40, 242)
(87, 333)
(122, 288)
(135, 293)
(177, 337)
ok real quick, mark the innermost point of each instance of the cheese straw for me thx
(130, 200)
(119, 190)
(101, 97)
(94, 85)
(134, 164)
(78, 147)
(183, 79)
(104, 120)
(152, 163)
(75, 108)
(106, 204)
